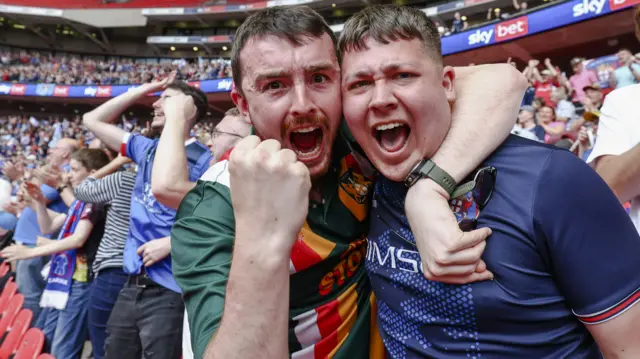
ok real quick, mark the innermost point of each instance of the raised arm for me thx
(49, 221)
(170, 174)
(99, 191)
(488, 99)
(100, 120)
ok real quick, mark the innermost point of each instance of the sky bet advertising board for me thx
(535, 22)
(52, 90)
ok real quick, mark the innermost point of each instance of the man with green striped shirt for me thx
(291, 204)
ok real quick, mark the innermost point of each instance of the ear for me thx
(448, 84)
(241, 103)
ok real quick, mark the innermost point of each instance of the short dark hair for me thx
(386, 23)
(91, 158)
(294, 23)
(199, 98)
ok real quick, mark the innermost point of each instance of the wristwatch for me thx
(61, 188)
(427, 168)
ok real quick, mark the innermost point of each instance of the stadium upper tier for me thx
(99, 4)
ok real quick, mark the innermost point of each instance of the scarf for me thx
(63, 264)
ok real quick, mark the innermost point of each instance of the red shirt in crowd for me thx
(543, 90)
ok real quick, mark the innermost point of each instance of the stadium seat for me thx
(10, 312)
(8, 292)
(16, 331)
(31, 344)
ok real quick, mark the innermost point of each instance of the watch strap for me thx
(438, 175)
(428, 169)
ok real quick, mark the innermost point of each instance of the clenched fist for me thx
(270, 193)
(179, 107)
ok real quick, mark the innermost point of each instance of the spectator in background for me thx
(65, 298)
(148, 315)
(593, 98)
(520, 6)
(565, 110)
(537, 103)
(28, 277)
(580, 79)
(586, 140)
(526, 126)
(7, 226)
(458, 24)
(544, 82)
(553, 129)
(628, 72)
(104, 187)
(228, 132)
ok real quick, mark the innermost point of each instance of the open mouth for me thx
(392, 137)
(306, 142)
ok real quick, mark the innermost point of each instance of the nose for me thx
(157, 104)
(301, 104)
(383, 98)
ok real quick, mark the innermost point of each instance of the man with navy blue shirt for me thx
(563, 251)
(148, 315)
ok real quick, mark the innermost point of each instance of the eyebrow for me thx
(277, 73)
(385, 69)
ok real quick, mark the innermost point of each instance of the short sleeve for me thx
(593, 78)
(201, 248)
(616, 116)
(135, 147)
(592, 244)
(92, 212)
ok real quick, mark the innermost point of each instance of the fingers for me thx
(148, 260)
(141, 249)
(473, 277)
(469, 256)
(471, 239)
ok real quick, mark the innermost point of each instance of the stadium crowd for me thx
(94, 183)
(26, 66)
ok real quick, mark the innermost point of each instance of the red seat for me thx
(8, 292)
(10, 312)
(16, 331)
(31, 344)
(45, 356)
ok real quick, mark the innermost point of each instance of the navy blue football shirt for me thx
(563, 251)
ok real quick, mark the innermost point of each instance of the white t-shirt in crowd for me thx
(619, 131)
(187, 351)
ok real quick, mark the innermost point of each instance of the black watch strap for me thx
(428, 169)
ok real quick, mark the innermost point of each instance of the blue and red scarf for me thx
(63, 264)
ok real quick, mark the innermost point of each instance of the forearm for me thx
(635, 73)
(552, 130)
(67, 196)
(480, 124)
(45, 221)
(170, 175)
(71, 242)
(110, 168)
(622, 173)
(99, 120)
(256, 311)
